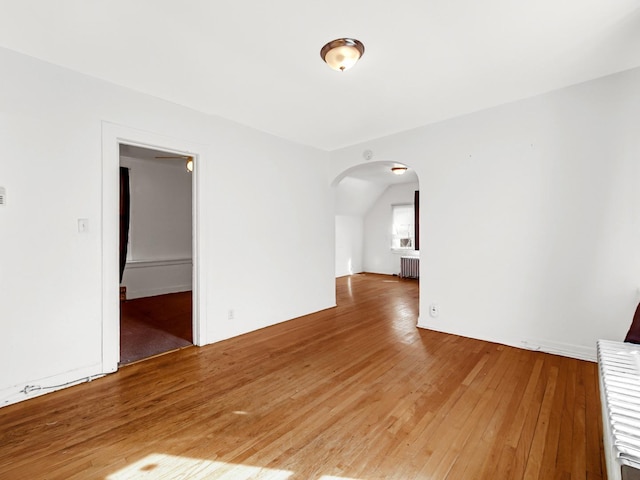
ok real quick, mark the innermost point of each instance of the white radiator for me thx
(409, 267)
(619, 373)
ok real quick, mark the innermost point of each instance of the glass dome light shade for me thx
(342, 54)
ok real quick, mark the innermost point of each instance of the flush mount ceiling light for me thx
(342, 54)
(398, 170)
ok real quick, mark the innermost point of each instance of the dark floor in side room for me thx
(154, 325)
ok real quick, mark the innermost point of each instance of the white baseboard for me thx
(564, 349)
(546, 346)
(157, 277)
(152, 292)
(36, 388)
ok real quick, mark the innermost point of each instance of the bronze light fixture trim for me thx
(342, 54)
(398, 170)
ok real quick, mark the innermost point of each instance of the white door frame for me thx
(113, 136)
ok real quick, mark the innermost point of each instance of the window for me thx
(402, 228)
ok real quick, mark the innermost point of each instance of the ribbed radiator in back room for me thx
(409, 267)
(619, 374)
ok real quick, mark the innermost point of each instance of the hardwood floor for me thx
(154, 325)
(170, 312)
(354, 392)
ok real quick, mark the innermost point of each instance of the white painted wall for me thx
(349, 244)
(530, 218)
(279, 217)
(378, 255)
(353, 198)
(529, 232)
(160, 238)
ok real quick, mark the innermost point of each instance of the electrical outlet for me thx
(231, 315)
(434, 310)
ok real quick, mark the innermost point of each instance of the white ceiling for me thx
(362, 185)
(380, 173)
(148, 154)
(258, 63)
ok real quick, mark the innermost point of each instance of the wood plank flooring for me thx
(154, 325)
(353, 392)
(170, 312)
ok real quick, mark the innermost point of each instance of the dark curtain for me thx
(125, 206)
(416, 219)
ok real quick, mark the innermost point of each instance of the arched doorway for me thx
(371, 201)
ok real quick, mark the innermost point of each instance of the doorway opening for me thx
(156, 257)
(114, 135)
(377, 224)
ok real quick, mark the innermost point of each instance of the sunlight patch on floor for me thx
(164, 467)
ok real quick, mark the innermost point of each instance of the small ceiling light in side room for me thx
(187, 158)
(342, 54)
(398, 170)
